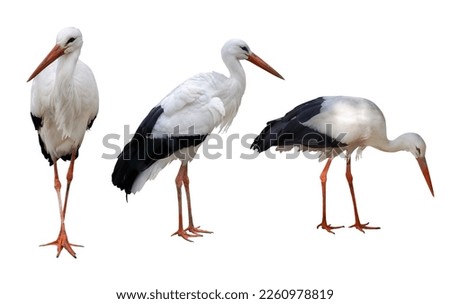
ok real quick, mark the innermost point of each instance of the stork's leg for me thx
(62, 241)
(69, 178)
(323, 179)
(357, 224)
(179, 183)
(57, 184)
(191, 227)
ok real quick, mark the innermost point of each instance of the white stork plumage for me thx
(175, 128)
(339, 125)
(64, 104)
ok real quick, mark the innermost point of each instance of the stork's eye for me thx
(70, 40)
(245, 49)
(418, 150)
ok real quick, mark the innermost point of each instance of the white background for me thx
(263, 212)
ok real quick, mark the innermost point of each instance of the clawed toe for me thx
(328, 228)
(193, 232)
(196, 230)
(361, 227)
(184, 235)
(63, 242)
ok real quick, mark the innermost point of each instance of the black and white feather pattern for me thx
(146, 148)
(291, 130)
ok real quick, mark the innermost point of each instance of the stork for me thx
(64, 104)
(338, 125)
(175, 128)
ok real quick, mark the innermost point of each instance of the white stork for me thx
(64, 104)
(175, 128)
(338, 125)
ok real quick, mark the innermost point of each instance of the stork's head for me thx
(415, 144)
(236, 48)
(68, 41)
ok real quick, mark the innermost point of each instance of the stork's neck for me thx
(401, 143)
(65, 69)
(236, 70)
(233, 90)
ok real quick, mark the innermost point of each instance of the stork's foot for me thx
(196, 230)
(182, 233)
(189, 232)
(361, 227)
(327, 227)
(63, 242)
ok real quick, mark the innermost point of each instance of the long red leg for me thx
(191, 228)
(57, 185)
(62, 241)
(179, 183)
(323, 179)
(357, 224)
(69, 178)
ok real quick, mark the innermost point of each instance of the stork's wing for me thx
(192, 107)
(89, 95)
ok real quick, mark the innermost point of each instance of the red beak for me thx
(54, 54)
(426, 173)
(253, 58)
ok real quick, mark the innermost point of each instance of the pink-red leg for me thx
(357, 224)
(57, 185)
(191, 227)
(323, 179)
(179, 183)
(62, 241)
(183, 179)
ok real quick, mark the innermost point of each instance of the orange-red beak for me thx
(263, 65)
(54, 54)
(424, 167)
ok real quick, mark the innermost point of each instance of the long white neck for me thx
(405, 142)
(66, 104)
(65, 69)
(233, 91)
(237, 72)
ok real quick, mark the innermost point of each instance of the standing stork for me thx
(338, 125)
(64, 104)
(175, 128)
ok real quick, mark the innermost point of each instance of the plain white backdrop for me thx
(263, 212)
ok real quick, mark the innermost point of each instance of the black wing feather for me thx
(90, 123)
(289, 130)
(37, 122)
(144, 150)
